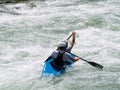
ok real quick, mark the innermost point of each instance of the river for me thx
(30, 31)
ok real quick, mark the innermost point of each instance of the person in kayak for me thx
(61, 56)
(69, 47)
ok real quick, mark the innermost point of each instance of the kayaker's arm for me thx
(75, 59)
(73, 39)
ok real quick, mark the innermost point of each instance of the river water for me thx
(30, 31)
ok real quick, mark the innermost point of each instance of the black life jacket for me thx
(58, 60)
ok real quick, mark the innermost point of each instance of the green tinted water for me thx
(28, 35)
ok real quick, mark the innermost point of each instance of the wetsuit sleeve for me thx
(67, 56)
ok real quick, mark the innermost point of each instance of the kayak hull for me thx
(49, 70)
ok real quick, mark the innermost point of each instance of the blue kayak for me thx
(50, 70)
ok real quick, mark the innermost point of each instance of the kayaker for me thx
(61, 56)
(69, 47)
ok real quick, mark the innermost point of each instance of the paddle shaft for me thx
(69, 37)
(84, 60)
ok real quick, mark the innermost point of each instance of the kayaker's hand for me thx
(78, 57)
(73, 33)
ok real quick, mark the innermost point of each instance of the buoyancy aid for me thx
(58, 61)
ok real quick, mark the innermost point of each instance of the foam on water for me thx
(29, 37)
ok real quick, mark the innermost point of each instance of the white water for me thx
(30, 31)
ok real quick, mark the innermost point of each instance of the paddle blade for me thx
(96, 65)
(93, 64)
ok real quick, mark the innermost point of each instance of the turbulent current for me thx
(30, 31)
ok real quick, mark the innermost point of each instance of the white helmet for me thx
(66, 42)
(62, 44)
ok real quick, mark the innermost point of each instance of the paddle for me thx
(69, 37)
(93, 64)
